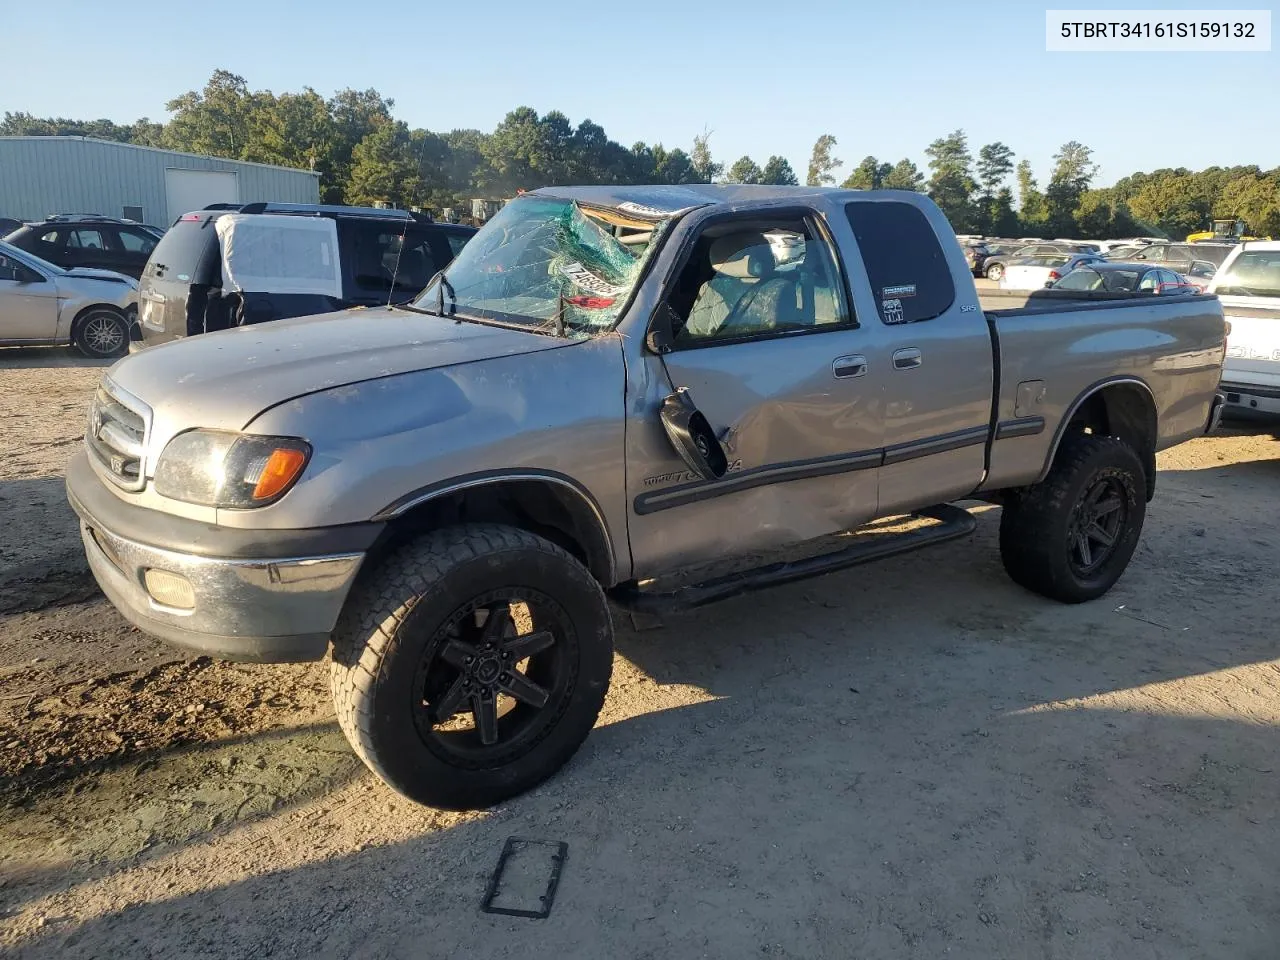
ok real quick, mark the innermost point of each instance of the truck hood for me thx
(223, 380)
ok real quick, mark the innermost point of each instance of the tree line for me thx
(364, 155)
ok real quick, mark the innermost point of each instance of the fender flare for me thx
(606, 562)
(1083, 398)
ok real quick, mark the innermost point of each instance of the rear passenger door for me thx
(939, 367)
(133, 248)
(1179, 258)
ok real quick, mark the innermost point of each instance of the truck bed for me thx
(1054, 348)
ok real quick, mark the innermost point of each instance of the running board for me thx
(954, 522)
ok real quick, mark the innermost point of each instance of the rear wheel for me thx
(1071, 537)
(471, 664)
(995, 271)
(102, 333)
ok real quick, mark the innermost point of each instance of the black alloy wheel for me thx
(494, 677)
(1095, 525)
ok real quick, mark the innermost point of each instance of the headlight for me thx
(233, 470)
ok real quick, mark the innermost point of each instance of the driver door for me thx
(770, 353)
(28, 303)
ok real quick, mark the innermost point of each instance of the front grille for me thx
(117, 436)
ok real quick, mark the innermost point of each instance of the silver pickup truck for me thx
(609, 387)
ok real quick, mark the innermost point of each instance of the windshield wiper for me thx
(412, 309)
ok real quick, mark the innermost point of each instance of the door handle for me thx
(908, 358)
(847, 367)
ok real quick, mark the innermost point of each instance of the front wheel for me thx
(1071, 537)
(102, 334)
(995, 271)
(471, 664)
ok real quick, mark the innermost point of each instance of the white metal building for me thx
(41, 176)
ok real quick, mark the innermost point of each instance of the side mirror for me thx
(691, 436)
(662, 330)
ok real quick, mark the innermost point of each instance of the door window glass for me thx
(746, 281)
(387, 259)
(456, 241)
(81, 239)
(138, 242)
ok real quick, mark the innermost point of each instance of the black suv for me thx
(191, 284)
(88, 240)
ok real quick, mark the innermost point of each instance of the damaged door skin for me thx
(686, 426)
(688, 429)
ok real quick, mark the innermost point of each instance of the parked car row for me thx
(41, 303)
(75, 278)
(100, 243)
(240, 265)
(990, 258)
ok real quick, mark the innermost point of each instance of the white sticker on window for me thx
(587, 280)
(891, 310)
(901, 290)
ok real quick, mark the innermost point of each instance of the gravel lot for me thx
(909, 759)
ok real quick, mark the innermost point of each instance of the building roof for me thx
(96, 141)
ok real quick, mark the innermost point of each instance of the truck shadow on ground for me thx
(41, 559)
(140, 802)
(788, 829)
(908, 755)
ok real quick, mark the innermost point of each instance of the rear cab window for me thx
(908, 270)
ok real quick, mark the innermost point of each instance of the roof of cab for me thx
(663, 200)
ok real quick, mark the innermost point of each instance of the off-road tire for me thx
(384, 631)
(92, 334)
(1036, 524)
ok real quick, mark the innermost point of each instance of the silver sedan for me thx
(41, 303)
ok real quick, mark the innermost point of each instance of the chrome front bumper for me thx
(261, 609)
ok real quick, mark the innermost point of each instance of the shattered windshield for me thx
(542, 260)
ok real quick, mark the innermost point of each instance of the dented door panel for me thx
(803, 446)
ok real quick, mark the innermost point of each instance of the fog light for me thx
(169, 589)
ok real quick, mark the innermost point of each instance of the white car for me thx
(41, 303)
(1248, 284)
(1035, 273)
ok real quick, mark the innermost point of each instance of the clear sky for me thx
(885, 78)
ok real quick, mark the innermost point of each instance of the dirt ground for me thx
(908, 759)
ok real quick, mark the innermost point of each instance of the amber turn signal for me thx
(281, 469)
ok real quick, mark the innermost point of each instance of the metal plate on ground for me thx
(525, 880)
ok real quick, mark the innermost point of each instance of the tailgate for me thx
(1253, 347)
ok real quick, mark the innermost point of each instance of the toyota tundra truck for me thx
(609, 388)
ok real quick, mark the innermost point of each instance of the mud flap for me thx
(692, 437)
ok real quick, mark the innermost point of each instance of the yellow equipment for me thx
(1232, 231)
